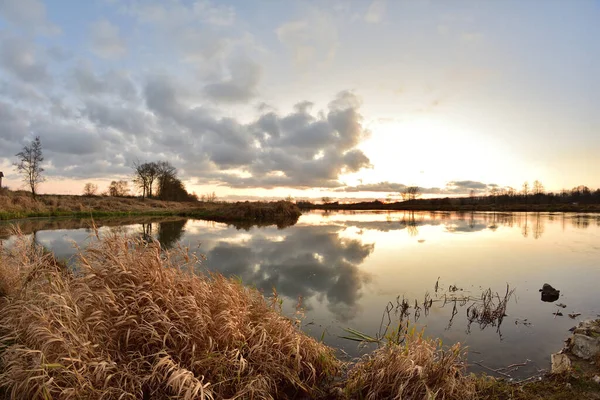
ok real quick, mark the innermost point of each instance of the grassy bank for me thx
(19, 205)
(135, 322)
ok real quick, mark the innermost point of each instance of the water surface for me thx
(348, 266)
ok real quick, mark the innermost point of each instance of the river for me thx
(347, 267)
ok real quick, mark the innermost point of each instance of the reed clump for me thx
(134, 321)
(416, 368)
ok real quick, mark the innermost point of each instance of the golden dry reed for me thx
(132, 321)
(416, 369)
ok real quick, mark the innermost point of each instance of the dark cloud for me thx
(86, 82)
(453, 187)
(13, 125)
(467, 184)
(106, 115)
(296, 150)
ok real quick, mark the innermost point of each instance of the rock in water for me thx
(549, 294)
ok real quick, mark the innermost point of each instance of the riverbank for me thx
(137, 322)
(449, 206)
(20, 205)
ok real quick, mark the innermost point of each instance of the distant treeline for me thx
(578, 198)
(579, 195)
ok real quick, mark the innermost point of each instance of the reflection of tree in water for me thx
(580, 221)
(410, 223)
(169, 232)
(538, 226)
(525, 228)
(493, 224)
(310, 261)
(472, 220)
(146, 233)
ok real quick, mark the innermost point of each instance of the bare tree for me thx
(90, 189)
(526, 188)
(29, 164)
(211, 197)
(118, 188)
(538, 188)
(144, 176)
(326, 199)
(167, 181)
(411, 193)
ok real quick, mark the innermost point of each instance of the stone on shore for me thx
(560, 363)
(585, 342)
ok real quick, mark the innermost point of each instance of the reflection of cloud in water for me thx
(385, 226)
(313, 262)
(465, 227)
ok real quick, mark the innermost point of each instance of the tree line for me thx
(534, 193)
(156, 179)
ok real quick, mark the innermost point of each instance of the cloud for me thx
(240, 86)
(468, 185)
(293, 150)
(20, 58)
(13, 127)
(176, 13)
(28, 15)
(312, 41)
(453, 187)
(105, 40)
(376, 11)
(219, 15)
(86, 82)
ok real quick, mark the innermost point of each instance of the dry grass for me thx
(135, 322)
(17, 263)
(21, 201)
(416, 369)
(20, 204)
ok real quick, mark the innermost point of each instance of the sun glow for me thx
(429, 151)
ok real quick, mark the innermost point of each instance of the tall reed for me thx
(135, 322)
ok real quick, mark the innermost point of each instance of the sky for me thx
(304, 98)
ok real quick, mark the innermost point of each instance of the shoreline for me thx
(377, 206)
(21, 206)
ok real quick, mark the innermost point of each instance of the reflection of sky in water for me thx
(348, 266)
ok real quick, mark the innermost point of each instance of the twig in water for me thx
(492, 370)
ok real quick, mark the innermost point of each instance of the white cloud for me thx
(28, 15)
(376, 12)
(219, 15)
(312, 41)
(105, 39)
